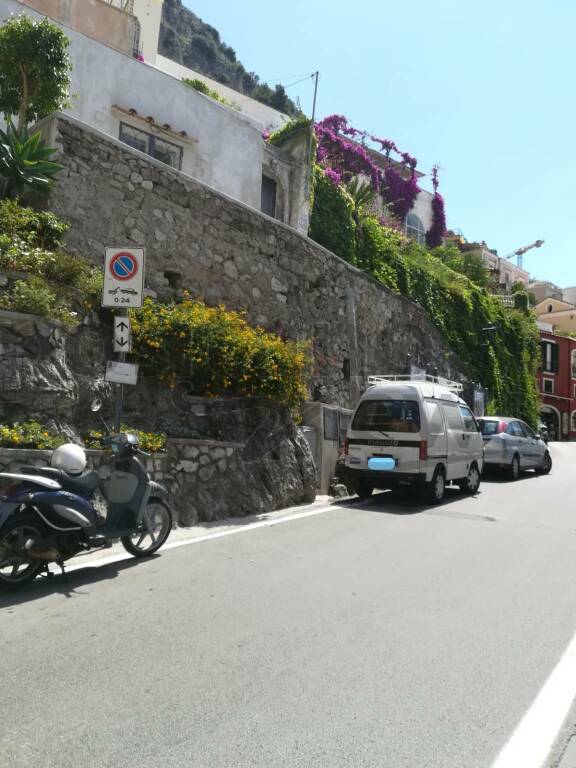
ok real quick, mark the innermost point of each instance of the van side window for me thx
(470, 424)
(434, 416)
(452, 416)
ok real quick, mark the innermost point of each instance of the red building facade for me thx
(557, 385)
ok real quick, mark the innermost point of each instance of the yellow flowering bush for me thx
(216, 352)
(151, 442)
(29, 434)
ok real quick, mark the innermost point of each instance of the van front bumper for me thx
(383, 479)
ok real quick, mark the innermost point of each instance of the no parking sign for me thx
(123, 277)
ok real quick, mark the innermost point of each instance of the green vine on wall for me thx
(504, 360)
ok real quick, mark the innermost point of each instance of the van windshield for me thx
(387, 416)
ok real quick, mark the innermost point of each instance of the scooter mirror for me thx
(96, 405)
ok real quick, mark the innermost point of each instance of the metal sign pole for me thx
(120, 387)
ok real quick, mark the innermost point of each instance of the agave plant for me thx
(25, 162)
(361, 192)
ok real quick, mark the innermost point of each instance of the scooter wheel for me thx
(16, 568)
(157, 524)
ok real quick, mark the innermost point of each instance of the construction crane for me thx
(521, 251)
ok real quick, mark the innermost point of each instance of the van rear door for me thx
(386, 428)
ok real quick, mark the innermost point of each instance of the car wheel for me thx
(546, 466)
(363, 489)
(471, 482)
(514, 469)
(433, 492)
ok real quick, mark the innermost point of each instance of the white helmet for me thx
(69, 457)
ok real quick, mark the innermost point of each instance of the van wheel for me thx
(363, 489)
(433, 492)
(471, 482)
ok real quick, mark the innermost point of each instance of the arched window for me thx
(573, 422)
(573, 363)
(415, 228)
(550, 308)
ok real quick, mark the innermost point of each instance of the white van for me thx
(413, 433)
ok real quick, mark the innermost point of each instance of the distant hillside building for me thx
(544, 290)
(560, 315)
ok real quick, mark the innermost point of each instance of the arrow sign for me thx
(122, 334)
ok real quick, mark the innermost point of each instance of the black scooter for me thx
(47, 516)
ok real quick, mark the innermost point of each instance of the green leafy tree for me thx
(34, 69)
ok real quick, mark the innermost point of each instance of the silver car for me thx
(512, 445)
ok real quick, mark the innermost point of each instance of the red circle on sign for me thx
(123, 266)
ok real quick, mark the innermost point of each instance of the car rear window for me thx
(387, 416)
(489, 427)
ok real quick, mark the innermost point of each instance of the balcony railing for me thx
(124, 5)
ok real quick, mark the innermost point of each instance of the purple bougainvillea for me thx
(435, 234)
(333, 176)
(352, 158)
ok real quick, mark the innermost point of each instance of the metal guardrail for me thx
(455, 386)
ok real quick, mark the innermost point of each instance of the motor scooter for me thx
(48, 515)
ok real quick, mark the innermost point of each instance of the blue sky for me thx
(484, 89)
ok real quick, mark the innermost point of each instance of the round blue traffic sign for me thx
(123, 266)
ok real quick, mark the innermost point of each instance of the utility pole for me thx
(311, 137)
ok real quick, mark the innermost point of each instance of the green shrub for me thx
(201, 87)
(34, 296)
(215, 352)
(36, 229)
(300, 126)
(332, 222)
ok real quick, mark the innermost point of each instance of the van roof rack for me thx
(454, 386)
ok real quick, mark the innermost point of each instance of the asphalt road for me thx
(383, 635)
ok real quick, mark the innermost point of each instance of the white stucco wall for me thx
(149, 14)
(423, 208)
(228, 151)
(267, 117)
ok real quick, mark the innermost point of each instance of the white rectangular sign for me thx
(123, 277)
(122, 334)
(121, 373)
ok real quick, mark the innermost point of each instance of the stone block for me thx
(206, 473)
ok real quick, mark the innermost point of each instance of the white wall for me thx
(228, 152)
(423, 208)
(149, 14)
(265, 116)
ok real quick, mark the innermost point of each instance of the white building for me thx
(156, 113)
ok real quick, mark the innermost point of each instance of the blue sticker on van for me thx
(382, 464)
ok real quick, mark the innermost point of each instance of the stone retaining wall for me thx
(225, 252)
(209, 479)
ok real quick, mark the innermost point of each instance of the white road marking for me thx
(531, 743)
(217, 535)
